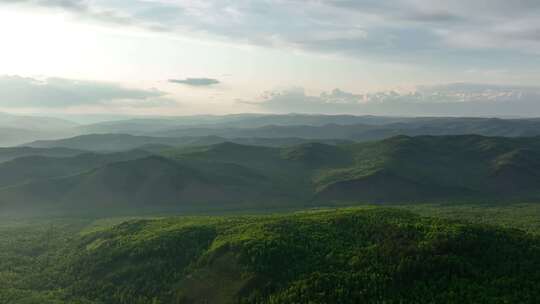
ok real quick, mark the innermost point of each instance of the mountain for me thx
(437, 168)
(341, 256)
(228, 175)
(318, 126)
(16, 129)
(148, 126)
(399, 169)
(365, 132)
(34, 122)
(7, 154)
(122, 142)
(216, 177)
(16, 136)
(105, 142)
(37, 167)
(260, 128)
(273, 131)
(462, 126)
(152, 183)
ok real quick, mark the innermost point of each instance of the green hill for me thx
(437, 168)
(30, 168)
(7, 154)
(123, 142)
(229, 175)
(315, 126)
(347, 256)
(155, 125)
(105, 142)
(370, 129)
(399, 169)
(151, 184)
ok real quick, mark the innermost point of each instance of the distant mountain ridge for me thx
(7, 154)
(234, 127)
(122, 142)
(363, 132)
(17, 129)
(149, 126)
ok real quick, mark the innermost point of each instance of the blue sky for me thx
(185, 57)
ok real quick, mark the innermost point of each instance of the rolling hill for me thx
(153, 184)
(256, 129)
(316, 126)
(375, 131)
(17, 129)
(437, 168)
(399, 169)
(122, 142)
(228, 175)
(344, 256)
(146, 126)
(7, 154)
(31, 168)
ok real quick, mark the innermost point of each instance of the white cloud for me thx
(463, 99)
(342, 26)
(23, 92)
(302, 23)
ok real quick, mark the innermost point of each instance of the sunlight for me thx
(44, 43)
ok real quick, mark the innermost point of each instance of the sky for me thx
(180, 57)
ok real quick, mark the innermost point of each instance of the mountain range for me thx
(228, 176)
(19, 130)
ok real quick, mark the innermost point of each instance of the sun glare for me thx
(34, 42)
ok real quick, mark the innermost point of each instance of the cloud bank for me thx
(22, 92)
(457, 99)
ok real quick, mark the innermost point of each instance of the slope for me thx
(151, 184)
(366, 129)
(30, 168)
(437, 168)
(122, 142)
(451, 169)
(346, 256)
(7, 154)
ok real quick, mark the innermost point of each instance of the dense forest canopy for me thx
(370, 255)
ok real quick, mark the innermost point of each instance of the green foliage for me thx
(29, 254)
(518, 216)
(369, 255)
(436, 168)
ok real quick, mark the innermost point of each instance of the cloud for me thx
(83, 10)
(196, 82)
(459, 99)
(21, 92)
(396, 28)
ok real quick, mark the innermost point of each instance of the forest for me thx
(402, 254)
(363, 213)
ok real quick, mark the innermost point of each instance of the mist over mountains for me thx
(245, 128)
(232, 176)
(257, 161)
